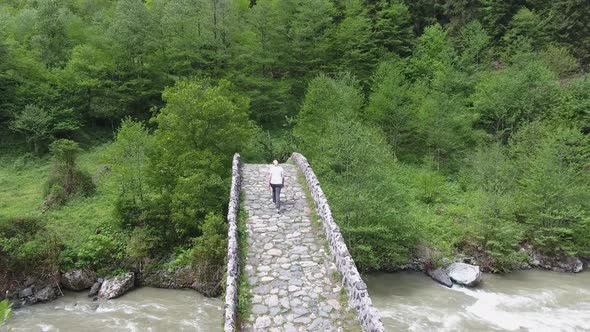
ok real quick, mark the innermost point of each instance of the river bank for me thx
(532, 300)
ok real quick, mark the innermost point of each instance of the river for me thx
(143, 309)
(521, 301)
(531, 300)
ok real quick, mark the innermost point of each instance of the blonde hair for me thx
(275, 162)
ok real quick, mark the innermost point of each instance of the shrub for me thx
(100, 252)
(141, 244)
(66, 179)
(28, 247)
(5, 311)
(209, 252)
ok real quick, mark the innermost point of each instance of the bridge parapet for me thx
(233, 264)
(355, 287)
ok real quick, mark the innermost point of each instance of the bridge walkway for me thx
(294, 283)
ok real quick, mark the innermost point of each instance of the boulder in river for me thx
(26, 292)
(78, 280)
(440, 276)
(46, 294)
(95, 288)
(116, 286)
(464, 274)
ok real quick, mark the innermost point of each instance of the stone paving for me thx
(288, 266)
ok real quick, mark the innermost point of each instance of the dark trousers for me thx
(276, 194)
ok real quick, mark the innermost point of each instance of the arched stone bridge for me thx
(301, 276)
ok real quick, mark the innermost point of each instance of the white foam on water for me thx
(46, 327)
(155, 306)
(420, 318)
(535, 311)
(116, 307)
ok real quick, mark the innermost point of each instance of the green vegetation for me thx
(244, 287)
(5, 312)
(435, 128)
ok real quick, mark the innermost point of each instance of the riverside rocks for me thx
(440, 275)
(95, 288)
(78, 280)
(33, 295)
(116, 286)
(464, 274)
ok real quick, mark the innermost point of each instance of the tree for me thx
(51, 39)
(553, 187)
(393, 28)
(201, 127)
(39, 126)
(507, 99)
(433, 55)
(390, 106)
(129, 158)
(354, 42)
(526, 32)
(473, 44)
(349, 156)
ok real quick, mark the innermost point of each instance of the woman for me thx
(276, 181)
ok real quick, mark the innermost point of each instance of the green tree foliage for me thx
(349, 156)
(526, 32)
(40, 126)
(128, 156)
(354, 41)
(460, 127)
(393, 28)
(509, 98)
(27, 246)
(553, 187)
(208, 259)
(198, 131)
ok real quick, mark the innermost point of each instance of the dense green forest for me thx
(436, 127)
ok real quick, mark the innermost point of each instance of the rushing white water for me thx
(521, 301)
(143, 309)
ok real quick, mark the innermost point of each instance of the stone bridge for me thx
(300, 274)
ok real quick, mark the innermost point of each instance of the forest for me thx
(437, 128)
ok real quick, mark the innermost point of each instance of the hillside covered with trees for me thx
(437, 128)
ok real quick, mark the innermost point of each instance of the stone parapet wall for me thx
(233, 252)
(356, 289)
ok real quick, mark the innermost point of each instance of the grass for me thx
(244, 287)
(21, 195)
(315, 218)
(21, 186)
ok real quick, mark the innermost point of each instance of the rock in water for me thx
(95, 288)
(26, 292)
(117, 286)
(440, 276)
(464, 274)
(46, 294)
(78, 280)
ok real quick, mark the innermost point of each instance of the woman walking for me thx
(276, 181)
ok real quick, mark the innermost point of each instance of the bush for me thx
(209, 252)
(28, 247)
(5, 311)
(553, 187)
(141, 244)
(66, 179)
(492, 234)
(100, 252)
